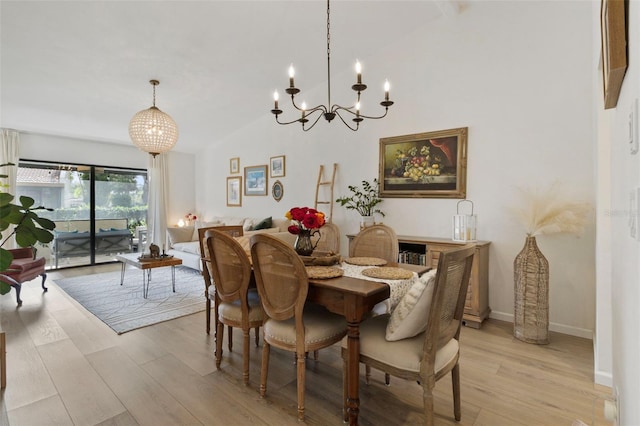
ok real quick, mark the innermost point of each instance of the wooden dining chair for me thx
(378, 241)
(209, 290)
(329, 238)
(237, 306)
(283, 284)
(425, 356)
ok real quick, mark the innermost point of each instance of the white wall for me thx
(66, 150)
(602, 341)
(624, 178)
(524, 90)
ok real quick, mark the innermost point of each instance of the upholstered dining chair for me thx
(283, 284)
(378, 241)
(237, 306)
(375, 241)
(209, 290)
(329, 238)
(420, 339)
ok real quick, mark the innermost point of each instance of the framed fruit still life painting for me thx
(424, 165)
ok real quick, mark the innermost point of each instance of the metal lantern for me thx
(464, 225)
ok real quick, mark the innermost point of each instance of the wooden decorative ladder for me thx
(323, 182)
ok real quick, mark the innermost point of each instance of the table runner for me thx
(398, 287)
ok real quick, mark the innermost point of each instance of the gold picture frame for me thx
(277, 166)
(614, 49)
(424, 165)
(234, 191)
(255, 180)
(234, 165)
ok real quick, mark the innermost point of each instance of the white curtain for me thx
(9, 154)
(158, 190)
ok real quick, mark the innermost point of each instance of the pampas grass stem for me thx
(549, 212)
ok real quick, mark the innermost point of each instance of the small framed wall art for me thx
(277, 190)
(424, 165)
(234, 165)
(255, 180)
(277, 166)
(234, 191)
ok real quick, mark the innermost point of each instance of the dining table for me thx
(353, 298)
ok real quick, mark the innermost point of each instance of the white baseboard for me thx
(560, 328)
(603, 378)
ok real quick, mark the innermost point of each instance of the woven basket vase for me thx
(531, 282)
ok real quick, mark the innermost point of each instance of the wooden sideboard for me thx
(426, 250)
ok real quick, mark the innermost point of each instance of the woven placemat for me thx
(366, 261)
(323, 272)
(388, 273)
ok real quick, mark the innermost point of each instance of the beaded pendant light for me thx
(152, 130)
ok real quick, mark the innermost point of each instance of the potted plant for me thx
(364, 200)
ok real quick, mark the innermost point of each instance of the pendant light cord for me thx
(328, 58)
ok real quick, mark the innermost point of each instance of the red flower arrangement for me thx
(306, 218)
(190, 216)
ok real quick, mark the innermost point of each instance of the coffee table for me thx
(146, 266)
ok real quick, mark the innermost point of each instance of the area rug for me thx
(123, 308)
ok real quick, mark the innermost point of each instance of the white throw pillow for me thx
(180, 235)
(201, 224)
(409, 318)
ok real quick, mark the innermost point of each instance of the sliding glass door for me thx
(99, 211)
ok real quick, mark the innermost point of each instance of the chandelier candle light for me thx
(152, 130)
(328, 111)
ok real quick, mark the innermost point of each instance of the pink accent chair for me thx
(24, 267)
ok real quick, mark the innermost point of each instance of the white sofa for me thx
(183, 241)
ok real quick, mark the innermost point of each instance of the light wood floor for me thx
(66, 367)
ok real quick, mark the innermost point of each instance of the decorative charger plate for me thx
(388, 273)
(324, 272)
(366, 261)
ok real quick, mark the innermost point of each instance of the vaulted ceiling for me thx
(82, 68)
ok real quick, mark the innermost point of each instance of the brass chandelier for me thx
(328, 111)
(152, 130)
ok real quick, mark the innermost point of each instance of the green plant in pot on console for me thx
(363, 199)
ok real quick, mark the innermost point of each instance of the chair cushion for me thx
(192, 247)
(233, 312)
(320, 326)
(24, 264)
(404, 354)
(245, 243)
(409, 318)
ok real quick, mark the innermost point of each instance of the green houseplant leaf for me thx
(363, 200)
